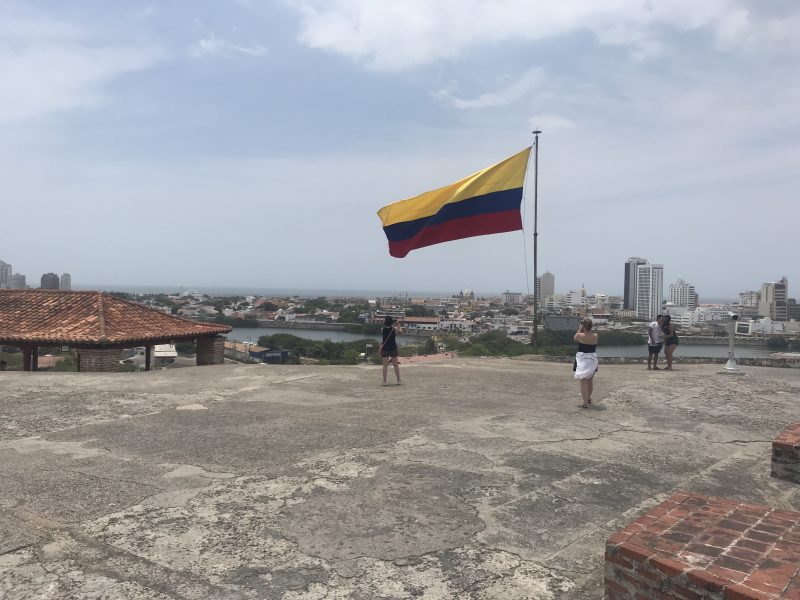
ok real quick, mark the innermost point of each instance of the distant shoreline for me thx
(343, 327)
(288, 292)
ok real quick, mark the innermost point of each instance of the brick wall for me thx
(786, 454)
(100, 360)
(694, 547)
(211, 350)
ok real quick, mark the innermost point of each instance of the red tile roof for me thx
(89, 318)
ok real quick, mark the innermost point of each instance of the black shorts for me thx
(654, 349)
(389, 353)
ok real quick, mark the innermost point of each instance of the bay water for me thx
(251, 334)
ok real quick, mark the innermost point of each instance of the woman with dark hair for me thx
(388, 347)
(586, 360)
(670, 340)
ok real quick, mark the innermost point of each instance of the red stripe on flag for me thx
(457, 229)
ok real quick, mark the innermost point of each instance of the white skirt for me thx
(585, 365)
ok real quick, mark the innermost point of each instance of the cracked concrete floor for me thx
(476, 479)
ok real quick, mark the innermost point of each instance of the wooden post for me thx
(35, 358)
(147, 356)
(29, 355)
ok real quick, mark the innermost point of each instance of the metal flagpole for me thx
(536, 286)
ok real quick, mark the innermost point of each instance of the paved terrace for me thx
(477, 478)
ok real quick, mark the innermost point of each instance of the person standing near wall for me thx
(388, 347)
(655, 338)
(585, 365)
(670, 340)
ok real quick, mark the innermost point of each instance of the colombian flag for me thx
(483, 203)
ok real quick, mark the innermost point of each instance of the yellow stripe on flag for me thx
(506, 175)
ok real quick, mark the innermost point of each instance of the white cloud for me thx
(213, 46)
(551, 123)
(524, 85)
(48, 66)
(406, 33)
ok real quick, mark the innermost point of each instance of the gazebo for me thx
(97, 326)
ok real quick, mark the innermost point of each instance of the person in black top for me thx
(585, 365)
(670, 340)
(388, 348)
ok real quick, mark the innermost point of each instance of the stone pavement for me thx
(477, 478)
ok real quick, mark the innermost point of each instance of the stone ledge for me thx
(693, 547)
(763, 361)
(786, 454)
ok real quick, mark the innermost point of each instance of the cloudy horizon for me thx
(250, 143)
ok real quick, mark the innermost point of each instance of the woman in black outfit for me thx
(388, 349)
(670, 340)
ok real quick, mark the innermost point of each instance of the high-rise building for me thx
(630, 295)
(749, 298)
(512, 297)
(50, 281)
(5, 275)
(18, 282)
(649, 290)
(682, 293)
(66, 281)
(793, 309)
(773, 301)
(546, 286)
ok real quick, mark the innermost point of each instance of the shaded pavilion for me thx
(97, 326)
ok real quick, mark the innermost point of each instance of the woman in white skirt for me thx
(586, 360)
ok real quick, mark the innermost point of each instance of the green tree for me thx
(777, 343)
(419, 310)
(230, 321)
(350, 314)
(310, 306)
(122, 295)
(495, 343)
(186, 348)
(67, 363)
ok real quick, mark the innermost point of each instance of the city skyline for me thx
(66, 283)
(244, 143)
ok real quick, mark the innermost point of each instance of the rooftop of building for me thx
(477, 478)
(79, 318)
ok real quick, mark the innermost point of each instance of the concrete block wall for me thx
(786, 454)
(694, 547)
(211, 350)
(102, 360)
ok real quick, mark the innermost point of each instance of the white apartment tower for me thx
(512, 297)
(5, 275)
(749, 298)
(66, 282)
(649, 290)
(629, 299)
(682, 293)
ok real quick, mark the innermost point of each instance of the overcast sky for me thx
(250, 143)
